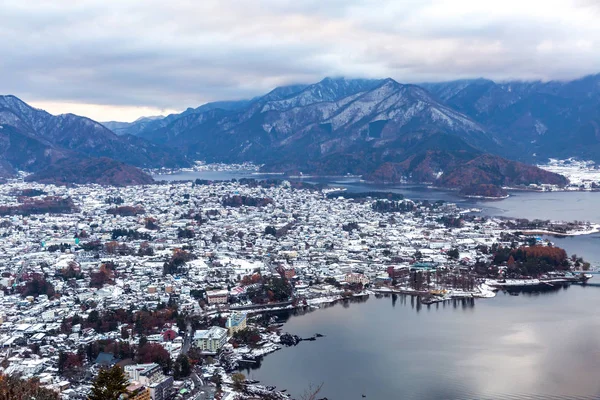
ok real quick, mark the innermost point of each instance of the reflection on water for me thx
(535, 345)
(531, 346)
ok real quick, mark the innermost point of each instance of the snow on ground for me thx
(579, 173)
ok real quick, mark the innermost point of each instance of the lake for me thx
(532, 346)
(543, 346)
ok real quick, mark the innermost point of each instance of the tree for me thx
(217, 379)
(14, 388)
(311, 393)
(37, 286)
(150, 223)
(145, 249)
(154, 353)
(182, 367)
(68, 362)
(93, 317)
(453, 253)
(239, 380)
(124, 333)
(109, 385)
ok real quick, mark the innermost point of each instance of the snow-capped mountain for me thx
(549, 119)
(63, 146)
(328, 116)
(82, 135)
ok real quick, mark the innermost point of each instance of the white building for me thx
(210, 340)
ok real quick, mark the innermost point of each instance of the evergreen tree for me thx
(109, 385)
(182, 367)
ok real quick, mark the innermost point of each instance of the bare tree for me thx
(311, 393)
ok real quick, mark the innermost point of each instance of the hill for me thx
(101, 171)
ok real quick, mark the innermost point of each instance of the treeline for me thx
(12, 387)
(47, 205)
(105, 275)
(350, 226)
(114, 200)
(185, 233)
(29, 193)
(37, 285)
(385, 206)
(129, 234)
(281, 232)
(451, 221)
(483, 190)
(141, 322)
(538, 224)
(58, 247)
(249, 201)
(177, 261)
(273, 289)
(126, 211)
(532, 260)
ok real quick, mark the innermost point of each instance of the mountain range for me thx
(458, 133)
(36, 141)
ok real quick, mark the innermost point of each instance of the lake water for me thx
(532, 346)
(543, 346)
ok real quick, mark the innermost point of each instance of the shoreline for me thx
(595, 229)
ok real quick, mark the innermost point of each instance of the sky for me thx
(119, 60)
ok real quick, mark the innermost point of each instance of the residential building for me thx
(356, 278)
(217, 296)
(210, 340)
(236, 322)
(152, 377)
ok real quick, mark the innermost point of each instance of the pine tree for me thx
(182, 367)
(109, 385)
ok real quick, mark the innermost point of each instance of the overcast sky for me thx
(118, 60)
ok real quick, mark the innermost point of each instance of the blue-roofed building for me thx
(236, 322)
(106, 359)
(424, 266)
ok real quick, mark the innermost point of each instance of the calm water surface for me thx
(510, 347)
(532, 346)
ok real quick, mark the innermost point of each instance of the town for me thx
(175, 284)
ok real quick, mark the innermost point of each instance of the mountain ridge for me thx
(379, 128)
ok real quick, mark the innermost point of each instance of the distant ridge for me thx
(379, 128)
(443, 133)
(34, 140)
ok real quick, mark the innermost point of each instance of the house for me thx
(356, 278)
(236, 322)
(217, 296)
(398, 272)
(286, 272)
(106, 359)
(169, 335)
(211, 340)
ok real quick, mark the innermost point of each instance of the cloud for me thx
(156, 55)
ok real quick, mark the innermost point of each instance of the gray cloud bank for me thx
(185, 52)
